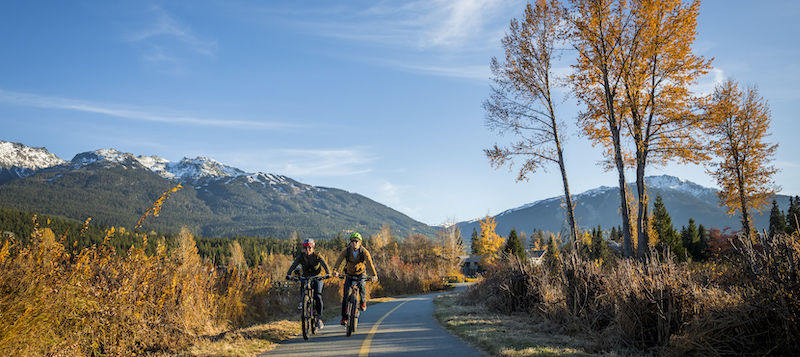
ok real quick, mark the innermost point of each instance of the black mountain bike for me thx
(353, 302)
(308, 319)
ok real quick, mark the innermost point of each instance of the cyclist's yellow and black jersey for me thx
(356, 262)
(312, 264)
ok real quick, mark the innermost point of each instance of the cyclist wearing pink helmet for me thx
(312, 264)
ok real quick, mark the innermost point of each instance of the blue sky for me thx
(380, 98)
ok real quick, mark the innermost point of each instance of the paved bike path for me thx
(400, 327)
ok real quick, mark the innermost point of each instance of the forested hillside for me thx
(118, 193)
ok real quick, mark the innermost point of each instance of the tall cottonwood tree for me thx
(738, 125)
(598, 27)
(635, 66)
(522, 101)
(656, 81)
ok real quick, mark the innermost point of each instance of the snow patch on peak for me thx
(201, 167)
(596, 191)
(21, 156)
(110, 155)
(674, 183)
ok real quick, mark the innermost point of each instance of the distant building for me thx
(470, 265)
(536, 256)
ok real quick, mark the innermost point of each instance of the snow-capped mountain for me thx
(18, 160)
(663, 182)
(600, 206)
(115, 188)
(16, 154)
(187, 170)
(27, 160)
(674, 183)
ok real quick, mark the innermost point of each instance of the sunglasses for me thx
(354, 241)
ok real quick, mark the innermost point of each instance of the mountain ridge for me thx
(683, 199)
(115, 188)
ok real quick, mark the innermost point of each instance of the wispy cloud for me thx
(437, 37)
(312, 163)
(708, 82)
(32, 100)
(165, 38)
(390, 194)
(429, 24)
(458, 71)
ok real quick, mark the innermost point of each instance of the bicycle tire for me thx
(312, 312)
(305, 317)
(353, 312)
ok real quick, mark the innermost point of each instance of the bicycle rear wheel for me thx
(305, 317)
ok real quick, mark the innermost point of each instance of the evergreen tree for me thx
(599, 249)
(667, 235)
(473, 243)
(702, 242)
(691, 240)
(514, 245)
(793, 215)
(777, 221)
(339, 242)
(552, 249)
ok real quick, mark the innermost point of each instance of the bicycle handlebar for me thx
(295, 278)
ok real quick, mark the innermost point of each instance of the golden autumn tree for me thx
(488, 243)
(738, 125)
(522, 101)
(634, 68)
(597, 36)
(656, 79)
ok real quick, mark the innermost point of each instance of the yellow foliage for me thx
(488, 244)
(738, 125)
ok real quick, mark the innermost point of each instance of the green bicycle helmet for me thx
(356, 236)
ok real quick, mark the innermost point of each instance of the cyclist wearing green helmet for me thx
(357, 260)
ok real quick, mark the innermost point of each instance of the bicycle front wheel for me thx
(353, 323)
(305, 316)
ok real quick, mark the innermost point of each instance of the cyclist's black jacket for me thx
(312, 264)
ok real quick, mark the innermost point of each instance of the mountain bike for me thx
(353, 302)
(308, 320)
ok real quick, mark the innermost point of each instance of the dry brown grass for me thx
(748, 306)
(56, 301)
(95, 301)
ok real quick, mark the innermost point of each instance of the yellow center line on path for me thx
(364, 352)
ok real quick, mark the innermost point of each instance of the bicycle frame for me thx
(353, 302)
(308, 319)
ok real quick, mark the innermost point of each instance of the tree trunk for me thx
(743, 202)
(573, 232)
(627, 243)
(641, 222)
(567, 196)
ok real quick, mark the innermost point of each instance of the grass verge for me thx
(505, 335)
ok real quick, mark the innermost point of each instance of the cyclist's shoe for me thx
(363, 306)
(300, 306)
(320, 325)
(344, 320)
